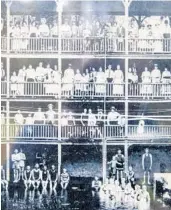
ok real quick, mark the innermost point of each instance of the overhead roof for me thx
(137, 7)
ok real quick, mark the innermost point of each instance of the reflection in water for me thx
(76, 198)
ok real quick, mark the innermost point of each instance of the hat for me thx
(155, 64)
(50, 105)
(69, 64)
(113, 107)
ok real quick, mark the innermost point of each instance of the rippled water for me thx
(79, 198)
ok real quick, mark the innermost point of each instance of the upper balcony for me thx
(93, 46)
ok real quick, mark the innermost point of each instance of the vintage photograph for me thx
(85, 104)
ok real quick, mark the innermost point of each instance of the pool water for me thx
(78, 197)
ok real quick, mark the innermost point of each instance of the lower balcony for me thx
(81, 133)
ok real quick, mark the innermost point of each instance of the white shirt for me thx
(109, 73)
(39, 116)
(40, 71)
(19, 119)
(50, 115)
(118, 76)
(91, 119)
(112, 116)
(69, 73)
(146, 76)
(44, 30)
(15, 157)
(22, 156)
(29, 121)
(54, 31)
(30, 73)
(156, 75)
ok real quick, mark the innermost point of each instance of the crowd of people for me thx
(121, 187)
(90, 82)
(39, 175)
(45, 124)
(93, 29)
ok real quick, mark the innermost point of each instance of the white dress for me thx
(100, 83)
(166, 80)
(140, 129)
(14, 83)
(144, 203)
(118, 83)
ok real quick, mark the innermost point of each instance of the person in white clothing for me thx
(13, 80)
(166, 86)
(21, 80)
(112, 117)
(15, 158)
(100, 82)
(78, 82)
(19, 119)
(146, 81)
(144, 203)
(92, 123)
(4, 182)
(156, 79)
(21, 162)
(43, 29)
(29, 122)
(50, 115)
(91, 118)
(39, 117)
(141, 124)
(118, 81)
(67, 81)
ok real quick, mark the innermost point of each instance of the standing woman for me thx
(14, 79)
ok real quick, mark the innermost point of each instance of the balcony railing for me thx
(87, 90)
(149, 90)
(98, 45)
(50, 132)
(3, 88)
(3, 44)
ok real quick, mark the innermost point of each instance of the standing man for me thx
(120, 163)
(50, 115)
(112, 170)
(19, 121)
(147, 165)
(15, 159)
(22, 160)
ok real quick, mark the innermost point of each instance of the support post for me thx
(104, 157)
(59, 6)
(126, 6)
(8, 5)
(7, 144)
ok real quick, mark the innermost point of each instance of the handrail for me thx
(90, 44)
